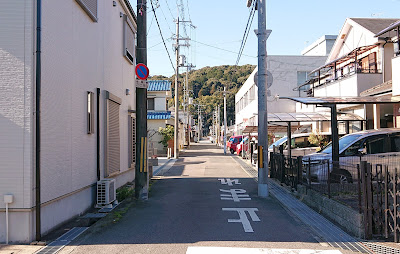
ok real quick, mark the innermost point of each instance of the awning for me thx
(342, 100)
(310, 117)
(271, 128)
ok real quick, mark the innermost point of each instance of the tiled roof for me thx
(159, 85)
(159, 115)
(374, 25)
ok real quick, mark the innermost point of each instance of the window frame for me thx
(90, 112)
(130, 56)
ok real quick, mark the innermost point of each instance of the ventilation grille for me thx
(90, 6)
(106, 191)
(113, 138)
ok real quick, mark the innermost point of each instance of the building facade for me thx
(158, 115)
(358, 62)
(285, 74)
(87, 75)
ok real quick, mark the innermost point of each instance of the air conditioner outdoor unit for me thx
(106, 192)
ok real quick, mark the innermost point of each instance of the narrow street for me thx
(205, 200)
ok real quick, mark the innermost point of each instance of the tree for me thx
(167, 134)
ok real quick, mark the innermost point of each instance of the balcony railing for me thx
(331, 78)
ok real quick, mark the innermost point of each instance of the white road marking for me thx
(243, 217)
(230, 250)
(235, 194)
(229, 181)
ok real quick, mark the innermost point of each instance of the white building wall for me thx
(16, 75)
(78, 55)
(349, 87)
(284, 71)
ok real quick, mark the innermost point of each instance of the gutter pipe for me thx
(37, 116)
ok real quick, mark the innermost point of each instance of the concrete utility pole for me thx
(262, 102)
(176, 131)
(141, 177)
(225, 125)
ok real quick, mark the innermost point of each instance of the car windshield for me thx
(278, 143)
(343, 142)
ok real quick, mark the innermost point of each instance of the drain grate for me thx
(381, 249)
(63, 240)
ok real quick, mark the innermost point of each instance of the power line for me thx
(246, 31)
(187, 3)
(151, 22)
(166, 20)
(211, 46)
(166, 1)
(159, 28)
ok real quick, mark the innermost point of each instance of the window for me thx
(90, 7)
(150, 103)
(112, 135)
(395, 143)
(90, 113)
(301, 79)
(375, 144)
(129, 40)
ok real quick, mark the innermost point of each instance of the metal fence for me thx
(370, 184)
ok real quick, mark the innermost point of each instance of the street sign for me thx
(142, 72)
(141, 83)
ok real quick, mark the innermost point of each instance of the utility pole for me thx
(141, 175)
(176, 131)
(225, 124)
(262, 101)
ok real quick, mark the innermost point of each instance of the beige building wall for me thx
(78, 55)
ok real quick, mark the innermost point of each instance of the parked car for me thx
(374, 146)
(233, 142)
(243, 144)
(300, 144)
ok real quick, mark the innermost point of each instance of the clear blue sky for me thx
(221, 23)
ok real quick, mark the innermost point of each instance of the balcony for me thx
(347, 85)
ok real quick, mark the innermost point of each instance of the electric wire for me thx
(166, 20)
(151, 23)
(211, 46)
(159, 28)
(246, 31)
(166, 1)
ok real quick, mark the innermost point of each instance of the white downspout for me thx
(8, 199)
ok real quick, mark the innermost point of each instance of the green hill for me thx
(207, 85)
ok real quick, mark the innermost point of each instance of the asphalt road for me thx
(191, 207)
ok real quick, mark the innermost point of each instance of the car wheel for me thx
(341, 176)
(232, 151)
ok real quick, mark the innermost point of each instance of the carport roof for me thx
(342, 100)
(310, 117)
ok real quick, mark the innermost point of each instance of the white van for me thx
(374, 146)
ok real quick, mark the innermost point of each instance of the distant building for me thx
(358, 62)
(87, 46)
(158, 115)
(285, 74)
(321, 47)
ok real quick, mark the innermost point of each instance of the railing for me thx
(345, 75)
